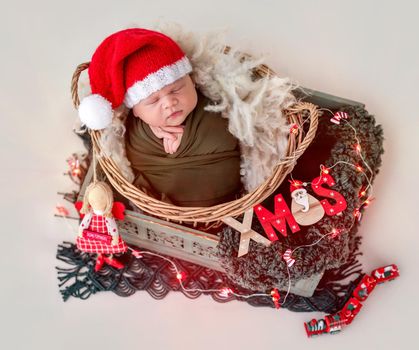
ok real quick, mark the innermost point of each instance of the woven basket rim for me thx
(296, 147)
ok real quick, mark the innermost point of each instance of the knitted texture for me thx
(135, 56)
(157, 277)
(263, 267)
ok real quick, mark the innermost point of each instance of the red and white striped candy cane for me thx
(287, 257)
(338, 116)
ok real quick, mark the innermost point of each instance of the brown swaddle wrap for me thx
(204, 171)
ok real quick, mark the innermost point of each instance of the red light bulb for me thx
(294, 129)
(324, 170)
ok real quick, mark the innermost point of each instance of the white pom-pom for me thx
(95, 112)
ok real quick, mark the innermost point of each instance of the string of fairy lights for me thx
(365, 192)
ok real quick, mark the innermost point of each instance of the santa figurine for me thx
(306, 209)
(98, 232)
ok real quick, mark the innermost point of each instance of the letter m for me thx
(279, 220)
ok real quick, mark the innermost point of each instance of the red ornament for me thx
(278, 220)
(275, 297)
(340, 202)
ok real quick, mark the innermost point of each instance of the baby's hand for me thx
(166, 132)
(171, 135)
(170, 145)
(115, 240)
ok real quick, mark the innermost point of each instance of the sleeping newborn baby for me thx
(179, 152)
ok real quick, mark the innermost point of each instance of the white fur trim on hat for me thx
(95, 112)
(156, 81)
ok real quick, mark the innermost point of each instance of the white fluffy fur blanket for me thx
(253, 107)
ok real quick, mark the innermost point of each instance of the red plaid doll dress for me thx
(100, 224)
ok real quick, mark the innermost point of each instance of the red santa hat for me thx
(295, 185)
(127, 67)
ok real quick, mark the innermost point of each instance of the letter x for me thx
(246, 231)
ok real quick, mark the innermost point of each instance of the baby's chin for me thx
(176, 121)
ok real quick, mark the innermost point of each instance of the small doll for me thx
(98, 232)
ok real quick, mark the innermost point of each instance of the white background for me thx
(361, 50)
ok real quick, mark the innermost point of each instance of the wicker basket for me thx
(296, 147)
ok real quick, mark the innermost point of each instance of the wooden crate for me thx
(193, 245)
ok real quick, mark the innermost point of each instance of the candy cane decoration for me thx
(338, 116)
(287, 257)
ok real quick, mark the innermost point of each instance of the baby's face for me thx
(169, 106)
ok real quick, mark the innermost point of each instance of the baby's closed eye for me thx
(177, 89)
(151, 101)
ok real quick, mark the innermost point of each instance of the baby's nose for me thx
(170, 101)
